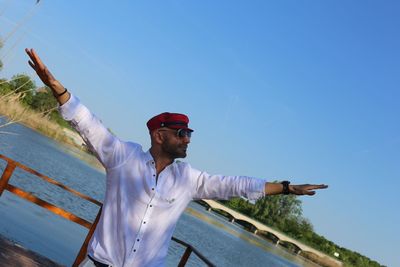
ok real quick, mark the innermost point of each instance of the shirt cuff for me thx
(257, 189)
(69, 109)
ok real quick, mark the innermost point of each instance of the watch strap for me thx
(285, 189)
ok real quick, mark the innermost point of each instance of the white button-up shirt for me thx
(139, 215)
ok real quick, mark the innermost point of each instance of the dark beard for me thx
(174, 151)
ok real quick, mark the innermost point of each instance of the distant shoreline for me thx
(69, 144)
(15, 112)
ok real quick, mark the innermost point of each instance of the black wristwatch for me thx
(286, 190)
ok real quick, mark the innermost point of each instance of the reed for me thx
(15, 112)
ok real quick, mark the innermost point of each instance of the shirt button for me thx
(151, 206)
(144, 222)
(152, 189)
(154, 175)
(137, 240)
(134, 250)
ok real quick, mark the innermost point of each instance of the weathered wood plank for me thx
(12, 254)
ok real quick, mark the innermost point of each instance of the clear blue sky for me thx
(299, 90)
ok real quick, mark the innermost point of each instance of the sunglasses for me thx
(181, 133)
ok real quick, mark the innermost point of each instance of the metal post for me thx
(6, 176)
(185, 257)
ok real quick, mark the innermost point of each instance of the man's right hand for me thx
(45, 75)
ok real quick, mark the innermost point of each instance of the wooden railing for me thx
(188, 251)
(5, 185)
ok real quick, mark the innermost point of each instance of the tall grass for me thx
(16, 112)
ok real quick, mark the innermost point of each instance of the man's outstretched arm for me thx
(47, 78)
(109, 149)
(303, 189)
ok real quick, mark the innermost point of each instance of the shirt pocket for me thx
(169, 198)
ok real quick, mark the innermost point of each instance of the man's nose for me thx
(186, 139)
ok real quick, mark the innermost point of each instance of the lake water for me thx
(223, 243)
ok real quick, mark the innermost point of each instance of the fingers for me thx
(307, 189)
(32, 61)
(32, 65)
(30, 54)
(306, 192)
(35, 61)
(36, 58)
(310, 188)
(316, 186)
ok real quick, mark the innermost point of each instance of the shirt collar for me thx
(148, 157)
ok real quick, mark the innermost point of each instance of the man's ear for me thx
(157, 137)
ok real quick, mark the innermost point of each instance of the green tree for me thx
(297, 227)
(5, 87)
(23, 84)
(43, 100)
(274, 210)
(241, 205)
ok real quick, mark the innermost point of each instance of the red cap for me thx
(170, 120)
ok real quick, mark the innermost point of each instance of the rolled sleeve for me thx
(69, 109)
(224, 187)
(256, 189)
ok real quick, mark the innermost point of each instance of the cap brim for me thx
(177, 127)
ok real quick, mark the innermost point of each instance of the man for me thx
(147, 191)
